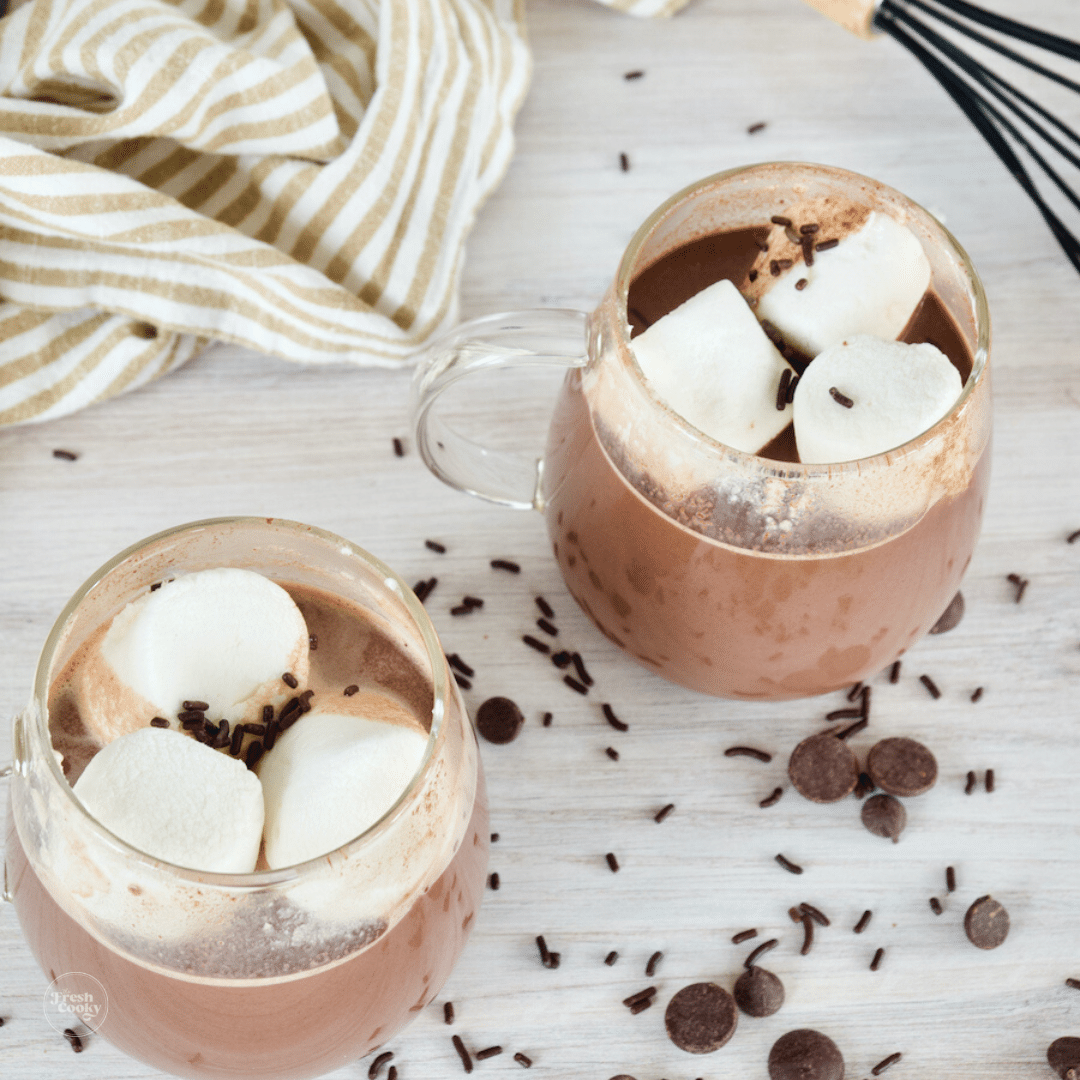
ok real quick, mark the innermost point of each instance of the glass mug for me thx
(277, 973)
(727, 572)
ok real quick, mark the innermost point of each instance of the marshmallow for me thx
(336, 772)
(711, 362)
(897, 392)
(177, 800)
(223, 636)
(870, 283)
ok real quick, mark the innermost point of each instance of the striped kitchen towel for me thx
(295, 176)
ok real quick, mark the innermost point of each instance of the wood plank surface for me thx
(234, 433)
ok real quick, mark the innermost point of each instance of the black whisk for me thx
(1000, 111)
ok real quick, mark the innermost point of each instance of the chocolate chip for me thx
(951, 616)
(884, 816)
(823, 768)
(499, 720)
(986, 923)
(902, 766)
(701, 1017)
(805, 1054)
(1064, 1056)
(759, 992)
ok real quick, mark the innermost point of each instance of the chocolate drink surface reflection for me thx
(728, 620)
(299, 1016)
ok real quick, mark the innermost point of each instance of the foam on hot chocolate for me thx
(222, 636)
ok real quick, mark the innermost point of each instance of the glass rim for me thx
(794, 469)
(442, 695)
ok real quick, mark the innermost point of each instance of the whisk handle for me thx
(854, 15)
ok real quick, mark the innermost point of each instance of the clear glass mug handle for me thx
(553, 338)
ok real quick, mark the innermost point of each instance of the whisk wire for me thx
(1041, 39)
(994, 125)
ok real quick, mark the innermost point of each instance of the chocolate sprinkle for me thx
(378, 1063)
(902, 766)
(748, 751)
(808, 935)
(641, 1006)
(818, 916)
(1073, 983)
(201, 706)
(434, 545)
(782, 389)
(523, 1061)
(840, 398)
(631, 75)
(624, 162)
(499, 720)
(159, 721)
(641, 995)
(894, 672)
(969, 787)
(448, 1012)
(931, 686)
(864, 921)
(701, 1018)
(826, 245)
(823, 768)
(612, 753)
(392, 1074)
(884, 816)
(575, 685)
(986, 923)
(977, 694)
(579, 667)
(533, 643)
(561, 659)
(612, 719)
(743, 935)
(505, 564)
(854, 729)
(779, 219)
(935, 905)
(758, 992)
(289, 679)
(753, 129)
(254, 752)
(663, 812)
(801, 284)
(472, 601)
(459, 1046)
(1063, 1056)
(805, 1054)
(843, 714)
(951, 616)
(65, 455)
(1021, 584)
(547, 627)
(545, 607)
(1073, 537)
(788, 865)
(546, 719)
(399, 448)
(764, 947)
(490, 1052)
(878, 957)
(455, 661)
(864, 786)
(493, 881)
(613, 863)
(74, 1040)
(771, 799)
(989, 779)
(462, 681)
(886, 1063)
(611, 958)
(650, 967)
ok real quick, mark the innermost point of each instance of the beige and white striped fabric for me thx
(296, 176)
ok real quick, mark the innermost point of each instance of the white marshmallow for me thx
(177, 800)
(898, 391)
(711, 362)
(224, 636)
(334, 773)
(871, 283)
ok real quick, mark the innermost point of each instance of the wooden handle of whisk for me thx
(853, 15)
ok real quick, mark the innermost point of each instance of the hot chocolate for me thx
(781, 579)
(278, 973)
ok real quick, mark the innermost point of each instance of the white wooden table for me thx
(240, 434)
